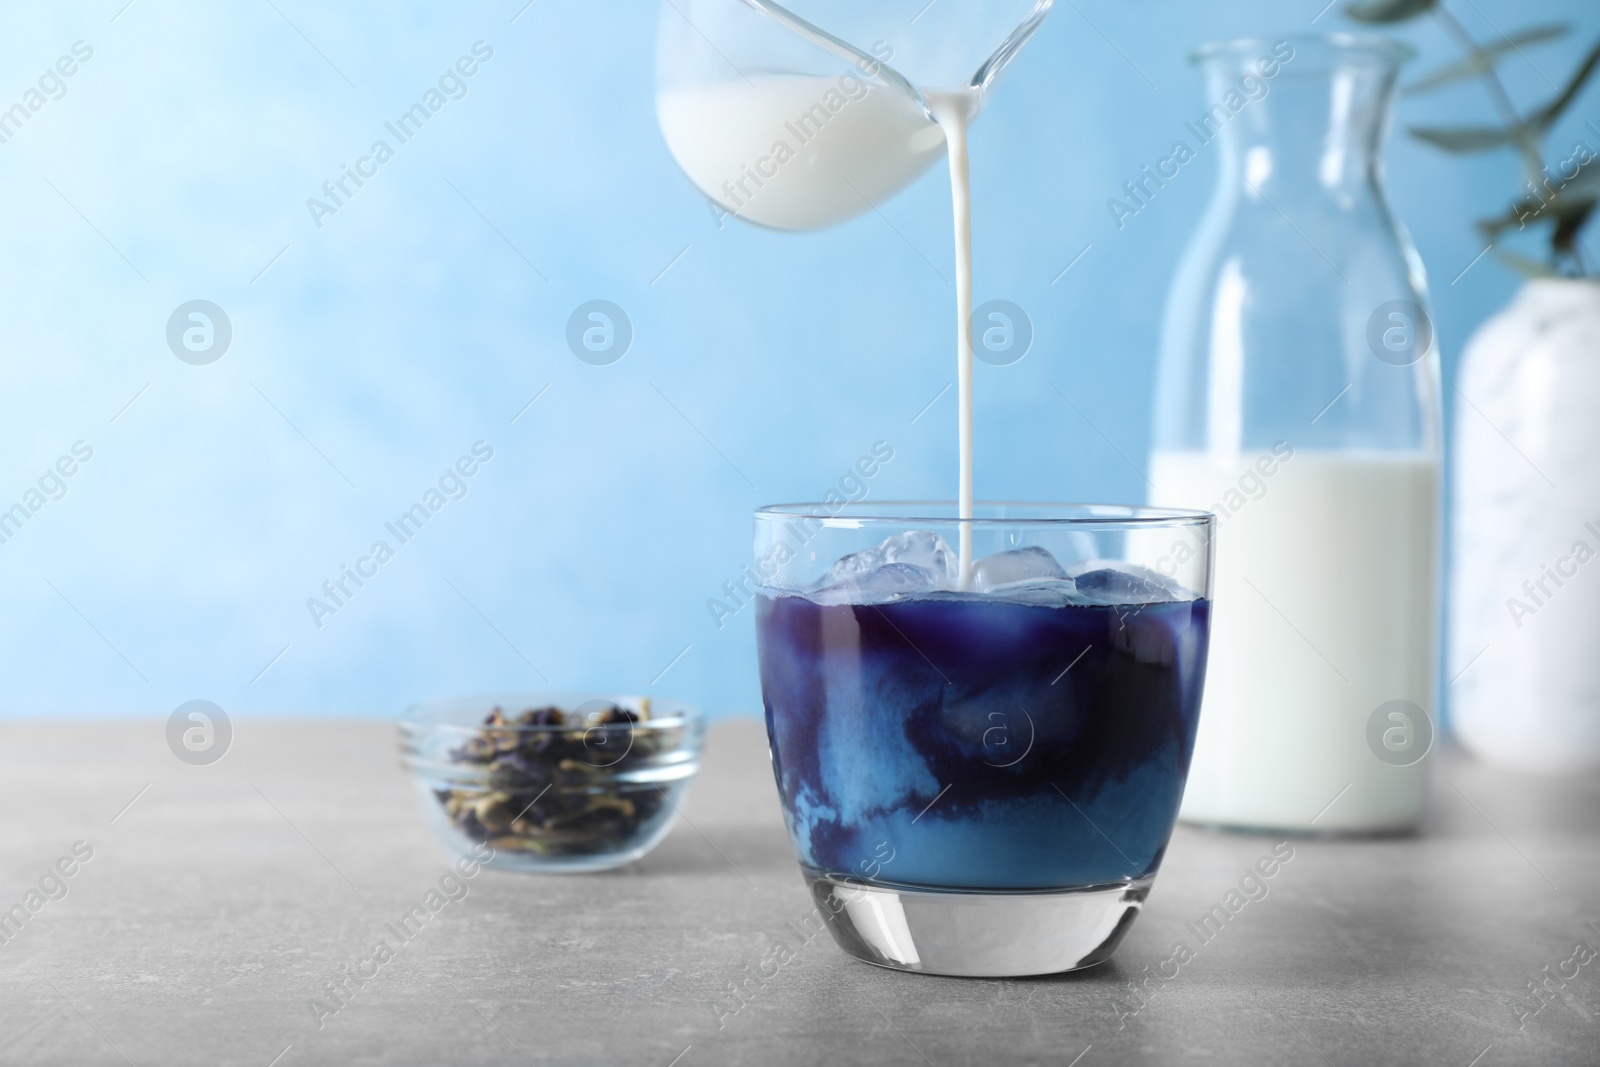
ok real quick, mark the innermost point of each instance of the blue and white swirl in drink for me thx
(980, 776)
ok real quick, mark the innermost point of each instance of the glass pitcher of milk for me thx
(802, 115)
(1298, 399)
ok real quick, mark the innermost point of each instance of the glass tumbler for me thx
(981, 780)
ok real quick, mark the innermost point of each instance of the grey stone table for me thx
(216, 904)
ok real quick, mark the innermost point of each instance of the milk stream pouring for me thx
(782, 122)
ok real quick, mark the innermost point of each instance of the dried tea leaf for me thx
(551, 781)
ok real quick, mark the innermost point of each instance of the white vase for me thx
(1523, 680)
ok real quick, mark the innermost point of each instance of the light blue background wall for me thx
(178, 164)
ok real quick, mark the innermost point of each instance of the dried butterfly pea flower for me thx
(541, 717)
(554, 791)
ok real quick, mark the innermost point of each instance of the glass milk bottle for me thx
(1298, 399)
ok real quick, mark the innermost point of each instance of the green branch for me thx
(1571, 204)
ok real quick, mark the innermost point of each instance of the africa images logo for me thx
(199, 332)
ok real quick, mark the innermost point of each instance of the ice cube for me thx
(1124, 583)
(854, 565)
(1039, 592)
(878, 586)
(1017, 565)
(925, 549)
(919, 548)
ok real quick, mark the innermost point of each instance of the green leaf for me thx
(1484, 60)
(1461, 139)
(1465, 138)
(1546, 116)
(1567, 204)
(1381, 11)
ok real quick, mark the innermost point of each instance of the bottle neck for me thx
(1304, 134)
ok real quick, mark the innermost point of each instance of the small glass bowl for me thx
(586, 791)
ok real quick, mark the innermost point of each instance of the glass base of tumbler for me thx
(975, 934)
